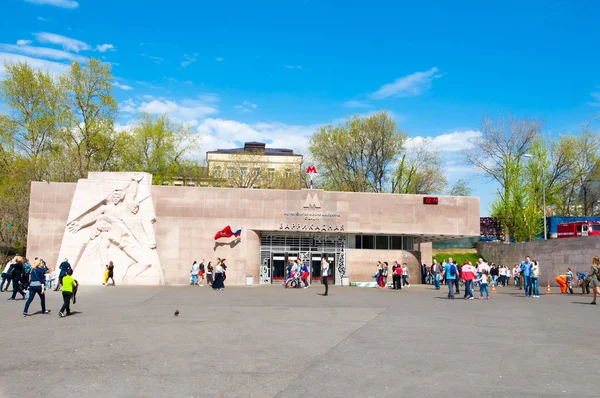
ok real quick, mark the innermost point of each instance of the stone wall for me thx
(554, 255)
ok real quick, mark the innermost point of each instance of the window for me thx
(387, 242)
(256, 171)
(217, 171)
(595, 228)
(288, 173)
(358, 242)
(244, 172)
(381, 242)
(368, 242)
(230, 172)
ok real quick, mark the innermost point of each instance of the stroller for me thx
(293, 281)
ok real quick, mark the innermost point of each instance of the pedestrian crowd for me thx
(215, 276)
(34, 279)
(525, 276)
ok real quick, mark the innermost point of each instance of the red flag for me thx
(224, 233)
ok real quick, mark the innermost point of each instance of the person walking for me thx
(36, 286)
(405, 275)
(111, 273)
(423, 273)
(64, 267)
(325, 274)
(201, 273)
(468, 275)
(218, 282)
(396, 276)
(437, 270)
(209, 274)
(483, 285)
(194, 273)
(449, 274)
(525, 270)
(594, 278)
(535, 279)
(494, 273)
(458, 276)
(305, 274)
(6, 275)
(517, 276)
(15, 276)
(69, 284)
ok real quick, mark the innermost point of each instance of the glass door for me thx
(278, 266)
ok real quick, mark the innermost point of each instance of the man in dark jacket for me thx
(16, 276)
(64, 267)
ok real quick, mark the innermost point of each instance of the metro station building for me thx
(154, 233)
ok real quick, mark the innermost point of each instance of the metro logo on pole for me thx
(311, 170)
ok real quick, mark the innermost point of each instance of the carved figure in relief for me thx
(115, 221)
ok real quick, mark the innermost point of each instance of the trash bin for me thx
(249, 280)
(345, 281)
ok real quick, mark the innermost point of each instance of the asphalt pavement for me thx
(266, 341)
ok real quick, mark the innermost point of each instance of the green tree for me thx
(357, 156)
(33, 120)
(460, 188)
(89, 138)
(499, 153)
(419, 171)
(156, 145)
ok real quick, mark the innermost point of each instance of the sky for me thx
(274, 71)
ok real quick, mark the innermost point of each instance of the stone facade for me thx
(153, 233)
(553, 255)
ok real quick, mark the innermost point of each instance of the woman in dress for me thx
(593, 278)
(218, 283)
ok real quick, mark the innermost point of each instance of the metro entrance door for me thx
(279, 264)
(315, 268)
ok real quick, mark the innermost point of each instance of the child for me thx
(570, 280)
(50, 278)
(105, 283)
(483, 285)
(68, 285)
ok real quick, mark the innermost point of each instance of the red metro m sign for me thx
(430, 200)
(311, 170)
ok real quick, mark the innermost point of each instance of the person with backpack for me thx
(450, 271)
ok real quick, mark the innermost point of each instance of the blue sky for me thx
(275, 70)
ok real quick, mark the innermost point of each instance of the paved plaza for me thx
(271, 342)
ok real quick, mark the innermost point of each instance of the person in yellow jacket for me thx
(106, 275)
(67, 291)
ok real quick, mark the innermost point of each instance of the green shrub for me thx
(458, 257)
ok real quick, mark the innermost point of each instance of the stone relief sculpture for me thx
(116, 221)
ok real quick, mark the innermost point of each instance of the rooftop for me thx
(258, 147)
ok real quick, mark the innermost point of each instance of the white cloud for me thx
(180, 112)
(158, 60)
(42, 19)
(105, 47)
(189, 59)
(220, 133)
(56, 3)
(41, 52)
(448, 142)
(408, 86)
(67, 43)
(36, 63)
(122, 86)
(596, 97)
(23, 42)
(293, 66)
(219, 59)
(128, 106)
(209, 97)
(356, 104)
(246, 107)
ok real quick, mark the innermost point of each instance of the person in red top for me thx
(397, 276)
(468, 276)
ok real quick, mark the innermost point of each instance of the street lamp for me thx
(529, 156)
